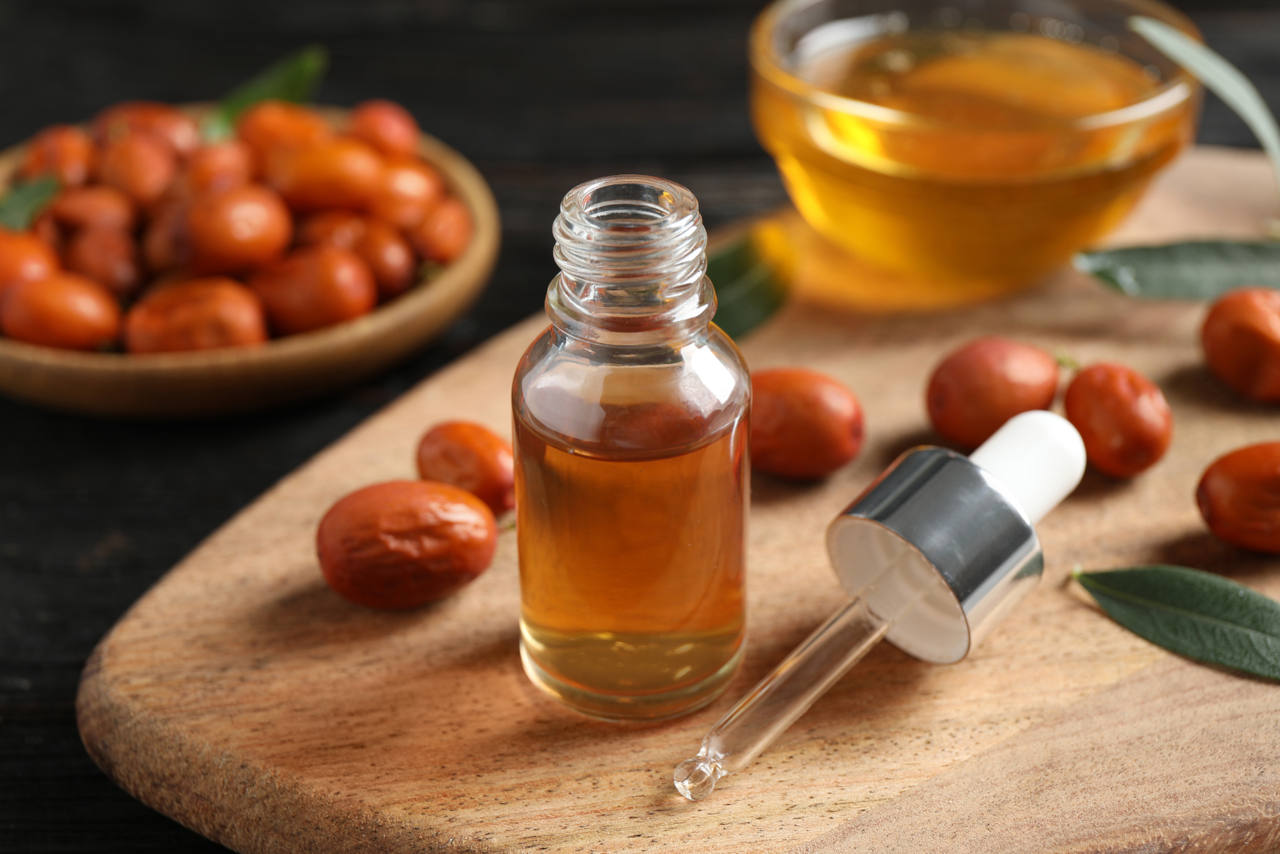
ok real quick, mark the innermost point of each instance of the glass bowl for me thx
(967, 148)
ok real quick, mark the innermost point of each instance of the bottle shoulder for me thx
(633, 399)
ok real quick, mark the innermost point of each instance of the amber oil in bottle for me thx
(631, 474)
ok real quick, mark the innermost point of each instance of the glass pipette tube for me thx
(780, 698)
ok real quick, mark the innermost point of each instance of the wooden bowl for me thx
(287, 369)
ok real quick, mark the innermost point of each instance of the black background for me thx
(541, 95)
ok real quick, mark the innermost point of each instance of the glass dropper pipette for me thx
(934, 552)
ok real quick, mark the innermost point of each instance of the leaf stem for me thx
(1066, 361)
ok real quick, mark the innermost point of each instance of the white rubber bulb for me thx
(1036, 459)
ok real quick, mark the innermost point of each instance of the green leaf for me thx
(1197, 614)
(293, 78)
(1203, 269)
(1195, 269)
(23, 203)
(1218, 76)
(748, 290)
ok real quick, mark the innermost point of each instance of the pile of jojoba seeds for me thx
(158, 241)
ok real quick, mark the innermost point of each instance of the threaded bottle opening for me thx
(632, 255)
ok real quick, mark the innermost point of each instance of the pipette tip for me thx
(696, 778)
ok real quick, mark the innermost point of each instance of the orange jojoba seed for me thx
(983, 384)
(106, 254)
(1241, 341)
(470, 456)
(445, 233)
(386, 126)
(269, 127)
(99, 205)
(332, 173)
(197, 314)
(167, 123)
(408, 192)
(401, 544)
(24, 257)
(238, 229)
(63, 151)
(803, 424)
(166, 243)
(1239, 497)
(63, 310)
(217, 166)
(389, 256)
(334, 228)
(1122, 416)
(139, 165)
(314, 287)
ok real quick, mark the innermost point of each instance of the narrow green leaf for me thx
(748, 290)
(1197, 614)
(1195, 269)
(1219, 76)
(293, 78)
(23, 202)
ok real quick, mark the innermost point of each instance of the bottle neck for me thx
(632, 256)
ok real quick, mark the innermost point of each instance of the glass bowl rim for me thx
(1175, 91)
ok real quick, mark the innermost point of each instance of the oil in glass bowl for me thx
(972, 160)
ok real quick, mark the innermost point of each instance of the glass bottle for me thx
(632, 484)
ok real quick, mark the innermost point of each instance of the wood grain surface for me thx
(243, 698)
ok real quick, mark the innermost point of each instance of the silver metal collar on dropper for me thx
(934, 552)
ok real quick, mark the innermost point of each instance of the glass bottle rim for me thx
(663, 201)
(768, 63)
(632, 256)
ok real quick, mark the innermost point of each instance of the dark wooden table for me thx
(540, 95)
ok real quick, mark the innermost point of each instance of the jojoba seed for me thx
(64, 151)
(24, 257)
(803, 424)
(1241, 341)
(470, 456)
(978, 387)
(404, 543)
(314, 287)
(386, 126)
(1122, 417)
(139, 165)
(107, 255)
(1239, 497)
(63, 310)
(95, 206)
(197, 314)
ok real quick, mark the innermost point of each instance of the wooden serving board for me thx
(244, 699)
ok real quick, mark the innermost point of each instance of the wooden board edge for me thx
(189, 783)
